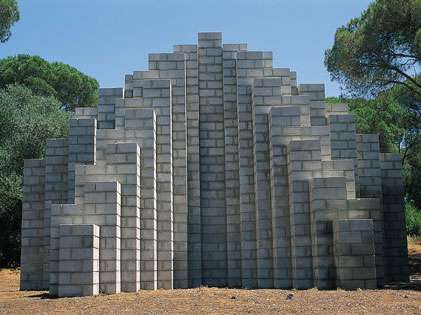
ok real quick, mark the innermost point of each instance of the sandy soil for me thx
(414, 252)
(398, 299)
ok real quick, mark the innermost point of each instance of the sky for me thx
(107, 39)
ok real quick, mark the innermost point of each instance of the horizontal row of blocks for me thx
(80, 275)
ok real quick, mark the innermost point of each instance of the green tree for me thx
(380, 49)
(9, 15)
(71, 87)
(413, 219)
(27, 122)
(412, 174)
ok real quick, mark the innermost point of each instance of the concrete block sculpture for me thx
(212, 168)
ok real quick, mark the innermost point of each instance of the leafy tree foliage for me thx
(412, 173)
(27, 122)
(9, 15)
(380, 49)
(71, 87)
(413, 219)
(10, 219)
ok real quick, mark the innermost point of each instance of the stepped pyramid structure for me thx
(212, 168)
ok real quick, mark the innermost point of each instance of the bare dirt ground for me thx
(397, 299)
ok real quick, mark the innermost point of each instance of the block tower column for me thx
(212, 174)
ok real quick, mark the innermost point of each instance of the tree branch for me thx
(400, 55)
(396, 69)
(408, 86)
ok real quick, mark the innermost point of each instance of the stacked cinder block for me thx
(304, 163)
(172, 66)
(327, 197)
(81, 149)
(155, 97)
(214, 168)
(103, 206)
(354, 254)
(279, 118)
(193, 170)
(232, 185)
(60, 214)
(212, 154)
(106, 107)
(246, 181)
(33, 249)
(79, 260)
(395, 254)
(55, 192)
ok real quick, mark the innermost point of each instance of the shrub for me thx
(413, 219)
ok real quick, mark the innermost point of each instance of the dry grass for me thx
(217, 301)
(414, 240)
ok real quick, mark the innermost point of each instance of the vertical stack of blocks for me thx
(355, 258)
(79, 260)
(212, 168)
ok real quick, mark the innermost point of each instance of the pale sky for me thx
(110, 38)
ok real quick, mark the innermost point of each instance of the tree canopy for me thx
(70, 86)
(27, 121)
(380, 49)
(9, 15)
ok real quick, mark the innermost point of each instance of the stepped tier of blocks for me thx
(212, 168)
